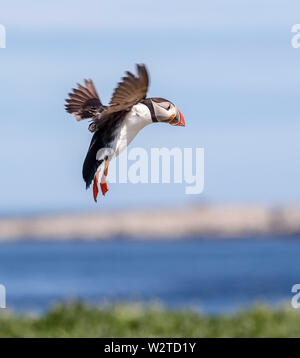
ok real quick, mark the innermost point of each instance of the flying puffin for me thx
(114, 126)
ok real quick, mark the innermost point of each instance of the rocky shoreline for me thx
(204, 221)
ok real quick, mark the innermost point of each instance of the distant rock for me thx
(202, 221)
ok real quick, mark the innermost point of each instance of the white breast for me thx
(138, 118)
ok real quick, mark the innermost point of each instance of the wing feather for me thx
(132, 89)
(84, 102)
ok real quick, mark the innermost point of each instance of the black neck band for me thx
(147, 102)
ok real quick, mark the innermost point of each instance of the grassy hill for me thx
(123, 320)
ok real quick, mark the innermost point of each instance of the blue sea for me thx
(212, 276)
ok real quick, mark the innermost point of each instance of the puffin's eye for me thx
(165, 105)
(162, 102)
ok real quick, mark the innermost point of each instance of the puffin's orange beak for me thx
(177, 120)
(181, 120)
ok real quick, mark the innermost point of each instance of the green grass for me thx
(122, 320)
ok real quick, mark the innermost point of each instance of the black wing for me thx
(130, 91)
(84, 102)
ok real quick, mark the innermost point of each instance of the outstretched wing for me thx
(84, 102)
(130, 91)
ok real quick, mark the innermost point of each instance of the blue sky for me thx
(228, 66)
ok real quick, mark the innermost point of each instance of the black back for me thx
(102, 138)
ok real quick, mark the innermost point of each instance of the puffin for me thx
(114, 126)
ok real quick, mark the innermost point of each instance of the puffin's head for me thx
(165, 111)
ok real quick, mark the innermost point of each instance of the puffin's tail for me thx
(84, 102)
(90, 167)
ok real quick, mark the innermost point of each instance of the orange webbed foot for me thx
(104, 188)
(95, 188)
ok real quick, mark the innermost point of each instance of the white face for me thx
(165, 111)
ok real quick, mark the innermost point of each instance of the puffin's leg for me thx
(103, 183)
(95, 185)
